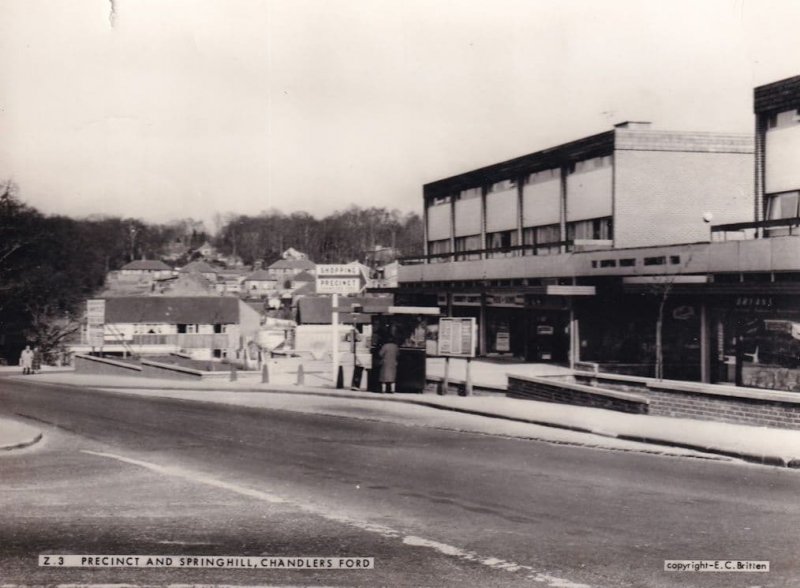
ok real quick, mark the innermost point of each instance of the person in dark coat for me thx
(36, 365)
(388, 376)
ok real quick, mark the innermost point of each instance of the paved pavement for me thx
(17, 435)
(779, 447)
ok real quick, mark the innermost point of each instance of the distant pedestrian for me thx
(388, 376)
(26, 360)
(36, 364)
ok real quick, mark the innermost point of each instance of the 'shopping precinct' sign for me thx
(339, 279)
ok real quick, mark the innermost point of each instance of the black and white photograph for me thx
(415, 293)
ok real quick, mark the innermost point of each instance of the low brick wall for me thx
(711, 402)
(745, 406)
(561, 392)
(88, 364)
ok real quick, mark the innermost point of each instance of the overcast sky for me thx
(192, 107)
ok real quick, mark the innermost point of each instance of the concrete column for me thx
(574, 337)
(484, 244)
(760, 147)
(482, 330)
(425, 248)
(563, 214)
(452, 226)
(520, 202)
(705, 343)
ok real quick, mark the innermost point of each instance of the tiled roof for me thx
(260, 276)
(207, 310)
(146, 265)
(300, 264)
(304, 276)
(198, 267)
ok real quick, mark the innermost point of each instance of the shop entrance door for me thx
(548, 337)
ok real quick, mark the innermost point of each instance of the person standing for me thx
(26, 360)
(36, 365)
(388, 354)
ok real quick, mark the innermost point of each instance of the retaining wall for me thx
(712, 402)
(88, 364)
(563, 392)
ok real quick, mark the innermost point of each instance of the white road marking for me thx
(384, 531)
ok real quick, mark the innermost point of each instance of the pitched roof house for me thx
(205, 327)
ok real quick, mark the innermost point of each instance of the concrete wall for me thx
(782, 173)
(660, 196)
(439, 222)
(468, 217)
(541, 199)
(589, 189)
(501, 211)
(87, 364)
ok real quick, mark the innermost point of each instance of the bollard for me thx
(264, 374)
(300, 376)
(358, 371)
(234, 376)
(340, 378)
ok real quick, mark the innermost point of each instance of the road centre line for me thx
(384, 531)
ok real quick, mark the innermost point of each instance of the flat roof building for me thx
(577, 252)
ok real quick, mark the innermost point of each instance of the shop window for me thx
(593, 229)
(465, 245)
(502, 240)
(543, 240)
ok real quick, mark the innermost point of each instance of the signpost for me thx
(338, 279)
(457, 338)
(95, 321)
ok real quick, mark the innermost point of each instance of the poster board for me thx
(457, 337)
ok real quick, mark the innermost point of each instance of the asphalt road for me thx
(128, 475)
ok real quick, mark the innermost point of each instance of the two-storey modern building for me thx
(586, 251)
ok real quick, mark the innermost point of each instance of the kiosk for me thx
(414, 329)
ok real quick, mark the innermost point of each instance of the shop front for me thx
(757, 342)
(547, 329)
(618, 332)
(505, 325)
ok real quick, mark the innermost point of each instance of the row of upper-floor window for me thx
(540, 240)
(532, 178)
